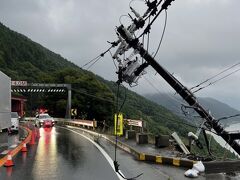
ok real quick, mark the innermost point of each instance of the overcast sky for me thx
(202, 38)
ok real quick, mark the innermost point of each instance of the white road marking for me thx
(13, 146)
(108, 158)
(5, 152)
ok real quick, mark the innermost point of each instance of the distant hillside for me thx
(23, 59)
(217, 109)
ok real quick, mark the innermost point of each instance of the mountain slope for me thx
(218, 109)
(19, 54)
(23, 59)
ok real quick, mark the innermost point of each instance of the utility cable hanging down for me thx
(163, 32)
(115, 162)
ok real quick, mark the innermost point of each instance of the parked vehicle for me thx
(14, 122)
(5, 102)
(44, 120)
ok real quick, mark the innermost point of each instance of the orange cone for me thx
(24, 148)
(9, 161)
(32, 142)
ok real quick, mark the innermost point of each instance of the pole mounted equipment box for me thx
(5, 101)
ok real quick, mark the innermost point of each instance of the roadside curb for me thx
(15, 150)
(158, 159)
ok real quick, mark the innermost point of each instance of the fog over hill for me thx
(217, 108)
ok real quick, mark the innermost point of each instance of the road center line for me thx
(104, 153)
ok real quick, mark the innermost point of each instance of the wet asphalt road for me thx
(60, 154)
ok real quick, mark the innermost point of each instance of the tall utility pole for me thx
(183, 91)
(69, 101)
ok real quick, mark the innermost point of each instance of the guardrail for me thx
(78, 123)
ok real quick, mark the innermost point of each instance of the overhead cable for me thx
(94, 60)
(212, 77)
(214, 82)
(163, 32)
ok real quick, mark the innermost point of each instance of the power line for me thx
(94, 60)
(158, 91)
(164, 28)
(189, 117)
(214, 82)
(115, 162)
(113, 59)
(124, 15)
(91, 95)
(136, 0)
(212, 77)
(90, 61)
(228, 117)
(94, 63)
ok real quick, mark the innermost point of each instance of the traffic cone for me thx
(9, 161)
(24, 148)
(32, 142)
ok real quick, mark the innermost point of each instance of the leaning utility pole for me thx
(130, 69)
(183, 91)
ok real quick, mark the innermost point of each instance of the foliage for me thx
(23, 59)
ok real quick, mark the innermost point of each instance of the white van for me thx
(14, 122)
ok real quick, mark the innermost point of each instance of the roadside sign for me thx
(132, 122)
(74, 112)
(118, 124)
(19, 83)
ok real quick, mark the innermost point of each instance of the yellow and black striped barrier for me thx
(166, 160)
